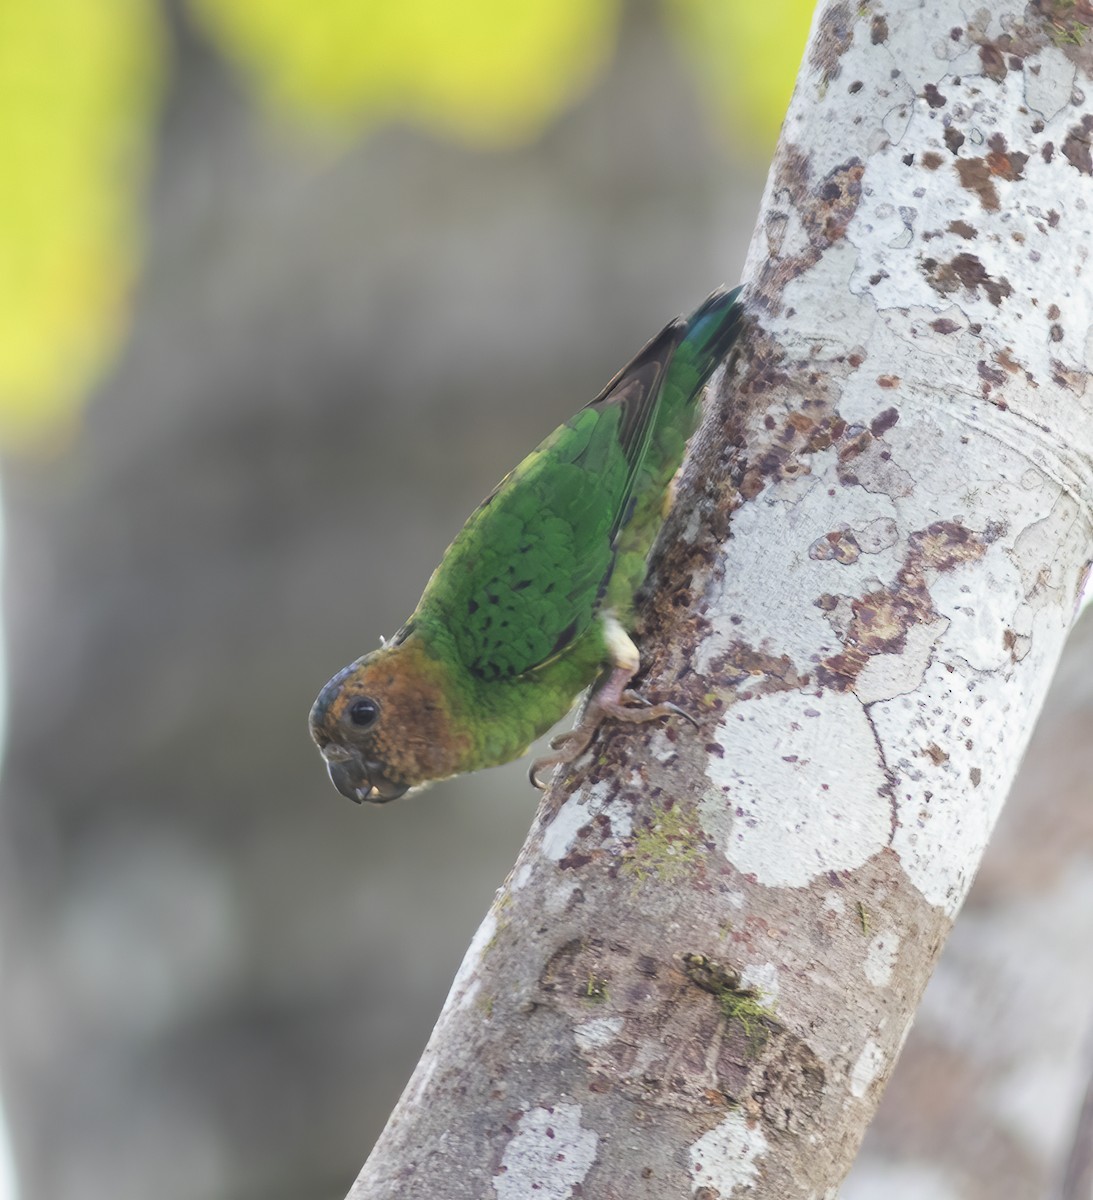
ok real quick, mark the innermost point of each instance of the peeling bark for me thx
(700, 971)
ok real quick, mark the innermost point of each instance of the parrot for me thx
(533, 602)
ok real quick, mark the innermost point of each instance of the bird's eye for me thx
(364, 712)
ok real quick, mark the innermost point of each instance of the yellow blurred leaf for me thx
(78, 84)
(492, 72)
(747, 56)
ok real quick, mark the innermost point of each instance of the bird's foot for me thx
(567, 747)
(633, 708)
(612, 701)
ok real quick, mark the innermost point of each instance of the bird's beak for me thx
(360, 780)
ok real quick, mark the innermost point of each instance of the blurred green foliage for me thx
(746, 57)
(486, 71)
(80, 82)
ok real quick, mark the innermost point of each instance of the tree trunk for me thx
(984, 1100)
(700, 971)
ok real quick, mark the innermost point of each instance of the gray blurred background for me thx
(217, 974)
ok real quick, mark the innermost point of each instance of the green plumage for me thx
(528, 572)
(514, 617)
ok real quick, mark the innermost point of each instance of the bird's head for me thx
(382, 725)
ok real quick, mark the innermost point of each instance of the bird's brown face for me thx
(344, 722)
(382, 726)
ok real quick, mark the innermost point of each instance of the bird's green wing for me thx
(522, 580)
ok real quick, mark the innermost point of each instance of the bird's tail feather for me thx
(711, 330)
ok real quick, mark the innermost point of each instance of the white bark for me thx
(984, 1100)
(890, 520)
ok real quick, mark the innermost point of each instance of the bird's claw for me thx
(533, 774)
(682, 712)
(568, 747)
(635, 699)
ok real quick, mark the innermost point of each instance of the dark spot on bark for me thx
(878, 30)
(989, 374)
(954, 139)
(1076, 147)
(965, 270)
(1053, 312)
(993, 62)
(908, 160)
(1056, 333)
(1052, 218)
(884, 421)
(1005, 359)
(824, 207)
(842, 199)
(935, 754)
(858, 438)
(710, 1057)
(963, 229)
(881, 619)
(840, 671)
(944, 325)
(840, 545)
(976, 776)
(975, 176)
(855, 87)
(931, 160)
(772, 461)
(1003, 162)
(1068, 377)
(834, 37)
(574, 860)
(775, 673)
(888, 381)
(933, 97)
(1047, 151)
(750, 485)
